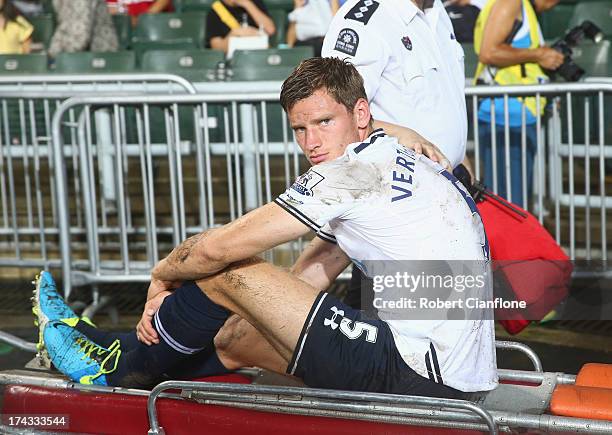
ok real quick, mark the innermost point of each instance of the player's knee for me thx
(227, 333)
(225, 342)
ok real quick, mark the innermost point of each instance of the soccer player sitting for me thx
(366, 198)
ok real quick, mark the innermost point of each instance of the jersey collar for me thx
(357, 147)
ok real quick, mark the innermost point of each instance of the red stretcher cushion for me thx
(582, 402)
(595, 375)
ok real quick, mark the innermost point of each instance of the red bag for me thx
(525, 255)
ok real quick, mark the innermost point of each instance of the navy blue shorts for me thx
(340, 348)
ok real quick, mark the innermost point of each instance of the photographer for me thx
(509, 42)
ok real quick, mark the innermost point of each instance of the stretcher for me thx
(254, 402)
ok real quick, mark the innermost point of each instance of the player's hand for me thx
(144, 330)
(549, 58)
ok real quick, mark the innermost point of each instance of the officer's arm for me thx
(414, 141)
(211, 251)
(320, 263)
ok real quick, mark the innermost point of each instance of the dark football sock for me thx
(186, 323)
(128, 340)
(200, 365)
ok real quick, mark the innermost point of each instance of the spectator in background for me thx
(134, 8)
(463, 14)
(511, 51)
(15, 31)
(309, 21)
(82, 25)
(235, 18)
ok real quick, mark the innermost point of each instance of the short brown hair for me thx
(339, 78)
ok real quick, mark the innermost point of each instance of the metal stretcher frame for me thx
(352, 405)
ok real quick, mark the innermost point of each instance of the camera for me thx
(569, 69)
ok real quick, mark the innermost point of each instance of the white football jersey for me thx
(380, 201)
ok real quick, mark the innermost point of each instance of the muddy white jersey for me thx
(380, 201)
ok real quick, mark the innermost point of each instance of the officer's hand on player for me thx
(431, 151)
(144, 330)
(411, 139)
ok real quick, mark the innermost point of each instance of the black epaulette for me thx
(362, 11)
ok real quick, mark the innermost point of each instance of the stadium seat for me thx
(195, 5)
(22, 64)
(471, 59)
(141, 47)
(123, 26)
(555, 22)
(47, 6)
(594, 58)
(279, 16)
(194, 65)
(44, 25)
(171, 27)
(287, 5)
(599, 12)
(86, 62)
(271, 64)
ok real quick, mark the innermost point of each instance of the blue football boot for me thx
(48, 305)
(76, 356)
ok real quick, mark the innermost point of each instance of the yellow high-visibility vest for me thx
(525, 74)
(228, 19)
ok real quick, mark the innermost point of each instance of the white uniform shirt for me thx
(411, 64)
(380, 201)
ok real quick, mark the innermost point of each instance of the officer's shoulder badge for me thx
(347, 42)
(362, 11)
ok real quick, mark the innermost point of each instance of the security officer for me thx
(413, 72)
(412, 66)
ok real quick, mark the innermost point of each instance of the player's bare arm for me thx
(319, 265)
(209, 252)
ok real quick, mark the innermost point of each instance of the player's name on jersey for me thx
(402, 175)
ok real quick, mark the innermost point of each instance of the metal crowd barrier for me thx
(177, 180)
(28, 205)
(571, 188)
(235, 166)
